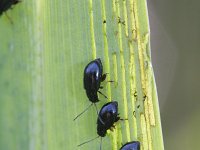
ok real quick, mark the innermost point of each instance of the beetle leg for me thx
(103, 77)
(111, 129)
(118, 118)
(123, 119)
(102, 94)
(110, 81)
(101, 87)
(9, 18)
(113, 126)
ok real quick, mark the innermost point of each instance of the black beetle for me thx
(108, 115)
(134, 145)
(7, 4)
(93, 76)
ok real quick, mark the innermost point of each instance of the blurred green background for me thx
(175, 43)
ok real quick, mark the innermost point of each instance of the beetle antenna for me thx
(9, 18)
(101, 143)
(88, 141)
(83, 111)
(98, 114)
(96, 109)
(102, 94)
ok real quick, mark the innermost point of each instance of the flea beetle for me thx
(108, 115)
(7, 4)
(134, 145)
(93, 76)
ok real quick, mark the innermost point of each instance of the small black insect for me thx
(93, 76)
(134, 145)
(108, 115)
(7, 4)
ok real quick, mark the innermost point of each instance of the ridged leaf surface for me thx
(43, 52)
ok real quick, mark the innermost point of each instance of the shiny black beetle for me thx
(108, 115)
(93, 76)
(7, 4)
(134, 145)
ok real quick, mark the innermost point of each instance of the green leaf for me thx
(42, 58)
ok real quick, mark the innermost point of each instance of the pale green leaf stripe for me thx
(42, 57)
